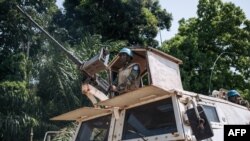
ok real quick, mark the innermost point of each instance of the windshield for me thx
(148, 120)
(94, 130)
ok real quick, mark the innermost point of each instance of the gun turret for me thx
(88, 68)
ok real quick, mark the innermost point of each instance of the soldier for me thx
(235, 97)
(129, 74)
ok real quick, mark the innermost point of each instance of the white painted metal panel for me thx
(164, 73)
(228, 113)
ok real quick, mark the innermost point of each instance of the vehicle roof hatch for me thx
(82, 114)
(135, 97)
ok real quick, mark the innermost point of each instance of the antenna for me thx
(212, 69)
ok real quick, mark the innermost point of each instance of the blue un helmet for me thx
(232, 93)
(127, 51)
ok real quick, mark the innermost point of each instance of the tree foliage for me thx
(38, 81)
(138, 21)
(50, 82)
(19, 49)
(220, 30)
(16, 112)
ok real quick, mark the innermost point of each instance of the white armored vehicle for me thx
(160, 110)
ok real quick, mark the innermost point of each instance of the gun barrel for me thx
(69, 54)
(88, 68)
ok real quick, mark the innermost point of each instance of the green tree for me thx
(55, 80)
(60, 79)
(16, 115)
(220, 29)
(19, 50)
(138, 22)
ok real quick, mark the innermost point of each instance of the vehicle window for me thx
(211, 113)
(94, 130)
(149, 120)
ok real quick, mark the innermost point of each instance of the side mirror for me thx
(199, 123)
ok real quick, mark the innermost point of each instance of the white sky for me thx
(185, 9)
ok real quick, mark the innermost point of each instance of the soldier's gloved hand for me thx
(244, 103)
(113, 88)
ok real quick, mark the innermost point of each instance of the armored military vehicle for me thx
(160, 110)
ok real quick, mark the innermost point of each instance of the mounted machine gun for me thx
(89, 68)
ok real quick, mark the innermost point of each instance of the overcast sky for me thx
(185, 9)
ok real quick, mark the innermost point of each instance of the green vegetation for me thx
(38, 82)
(220, 29)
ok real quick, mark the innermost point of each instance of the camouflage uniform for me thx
(128, 78)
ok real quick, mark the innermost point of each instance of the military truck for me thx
(160, 110)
